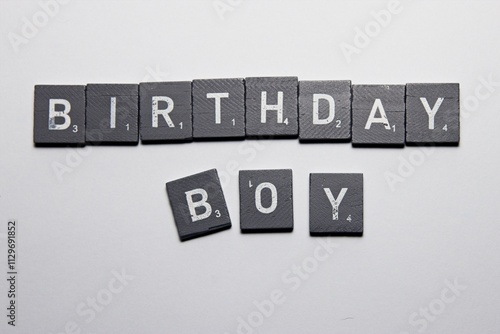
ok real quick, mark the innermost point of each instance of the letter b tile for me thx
(198, 205)
(59, 115)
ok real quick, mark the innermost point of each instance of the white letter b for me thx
(64, 114)
(193, 205)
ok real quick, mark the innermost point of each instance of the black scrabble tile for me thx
(433, 114)
(112, 114)
(266, 202)
(325, 111)
(336, 204)
(59, 115)
(271, 107)
(219, 109)
(378, 115)
(198, 205)
(165, 112)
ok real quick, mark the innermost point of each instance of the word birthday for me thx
(264, 107)
(266, 203)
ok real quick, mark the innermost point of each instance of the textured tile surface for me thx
(219, 109)
(112, 113)
(271, 107)
(336, 204)
(378, 115)
(165, 111)
(59, 115)
(198, 205)
(433, 114)
(266, 200)
(325, 110)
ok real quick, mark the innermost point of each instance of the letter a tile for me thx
(378, 115)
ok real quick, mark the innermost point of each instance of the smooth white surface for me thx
(112, 213)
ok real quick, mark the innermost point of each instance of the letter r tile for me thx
(165, 112)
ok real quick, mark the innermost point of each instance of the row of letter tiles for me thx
(278, 107)
(266, 203)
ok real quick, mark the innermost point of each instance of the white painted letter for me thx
(264, 107)
(193, 205)
(217, 97)
(258, 197)
(64, 114)
(431, 112)
(382, 119)
(112, 116)
(163, 112)
(331, 109)
(335, 202)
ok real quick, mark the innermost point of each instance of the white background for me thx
(111, 212)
